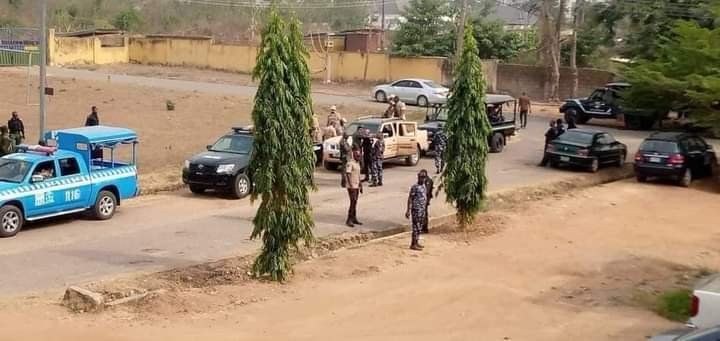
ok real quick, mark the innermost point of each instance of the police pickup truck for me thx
(67, 177)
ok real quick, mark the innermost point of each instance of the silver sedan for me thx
(422, 92)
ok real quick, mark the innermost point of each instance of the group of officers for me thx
(13, 134)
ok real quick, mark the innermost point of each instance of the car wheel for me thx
(241, 186)
(381, 96)
(712, 168)
(331, 166)
(621, 160)
(686, 179)
(105, 205)
(11, 221)
(422, 101)
(197, 189)
(413, 159)
(595, 165)
(641, 178)
(497, 143)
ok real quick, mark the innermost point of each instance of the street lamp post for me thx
(43, 61)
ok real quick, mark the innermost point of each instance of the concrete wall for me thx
(88, 50)
(514, 79)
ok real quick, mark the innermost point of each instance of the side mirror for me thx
(37, 178)
(386, 135)
(208, 147)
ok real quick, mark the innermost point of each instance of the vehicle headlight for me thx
(187, 164)
(225, 168)
(329, 146)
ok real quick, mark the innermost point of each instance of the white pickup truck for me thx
(705, 310)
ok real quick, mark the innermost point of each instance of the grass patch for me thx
(674, 304)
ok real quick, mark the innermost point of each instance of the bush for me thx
(674, 304)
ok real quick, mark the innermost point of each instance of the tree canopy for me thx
(467, 130)
(683, 75)
(282, 163)
(428, 31)
(494, 42)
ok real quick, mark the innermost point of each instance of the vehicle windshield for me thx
(576, 137)
(431, 84)
(659, 146)
(13, 170)
(238, 144)
(353, 127)
(441, 114)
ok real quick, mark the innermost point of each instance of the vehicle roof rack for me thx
(244, 130)
(36, 149)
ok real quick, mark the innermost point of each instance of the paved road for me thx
(163, 231)
(181, 85)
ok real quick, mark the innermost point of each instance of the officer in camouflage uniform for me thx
(429, 186)
(439, 144)
(7, 146)
(345, 153)
(417, 208)
(378, 152)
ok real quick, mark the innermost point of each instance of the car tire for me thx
(331, 166)
(381, 96)
(641, 178)
(11, 221)
(422, 101)
(497, 143)
(621, 160)
(686, 179)
(105, 205)
(197, 189)
(241, 186)
(413, 159)
(595, 165)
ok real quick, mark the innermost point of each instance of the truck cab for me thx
(79, 171)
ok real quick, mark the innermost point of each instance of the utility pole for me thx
(577, 22)
(43, 62)
(461, 31)
(382, 25)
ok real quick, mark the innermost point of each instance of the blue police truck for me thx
(81, 169)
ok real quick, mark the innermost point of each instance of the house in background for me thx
(393, 14)
(513, 18)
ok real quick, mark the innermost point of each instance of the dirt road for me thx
(567, 268)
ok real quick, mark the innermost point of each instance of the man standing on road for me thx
(17, 128)
(439, 141)
(525, 108)
(429, 186)
(550, 135)
(378, 152)
(93, 119)
(367, 153)
(354, 187)
(417, 209)
(345, 153)
(6, 144)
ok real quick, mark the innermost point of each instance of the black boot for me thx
(356, 222)
(349, 223)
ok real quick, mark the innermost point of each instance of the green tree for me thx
(467, 131)
(428, 31)
(127, 20)
(588, 46)
(683, 76)
(283, 160)
(496, 43)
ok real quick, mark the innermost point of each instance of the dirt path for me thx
(550, 270)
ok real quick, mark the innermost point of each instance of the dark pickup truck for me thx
(502, 127)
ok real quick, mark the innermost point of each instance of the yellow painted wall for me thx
(68, 51)
(203, 53)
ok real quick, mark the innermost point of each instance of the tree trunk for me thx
(555, 54)
(460, 31)
(577, 21)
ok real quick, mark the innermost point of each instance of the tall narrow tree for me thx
(281, 164)
(467, 131)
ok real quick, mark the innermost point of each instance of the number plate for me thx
(655, 159)
(564, 158)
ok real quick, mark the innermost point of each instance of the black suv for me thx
(680, 156)
(223, 166)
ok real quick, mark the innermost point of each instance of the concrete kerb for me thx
(91, 301)
(522, 194)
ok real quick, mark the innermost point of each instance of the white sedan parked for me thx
(422, 92)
